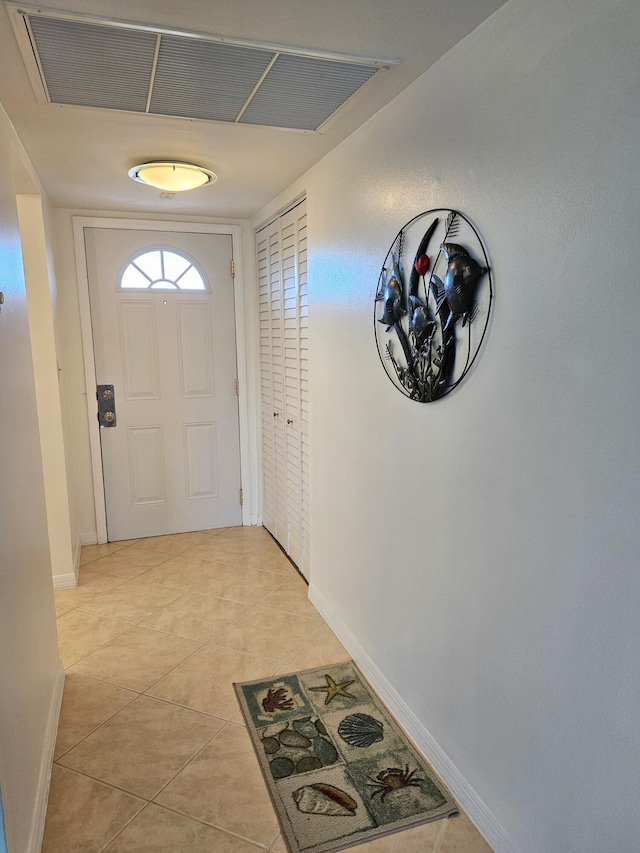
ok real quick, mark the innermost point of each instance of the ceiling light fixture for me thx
(172, 176)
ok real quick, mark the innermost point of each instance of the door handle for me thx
(289, 420)
(106, 406)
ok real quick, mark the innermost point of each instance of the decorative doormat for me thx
(338, 768)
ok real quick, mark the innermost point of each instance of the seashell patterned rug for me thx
(338, 768)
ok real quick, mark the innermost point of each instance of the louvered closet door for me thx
(271, 358)
(282, 279)
(304, 383)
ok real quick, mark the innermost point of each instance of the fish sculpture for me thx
(460, 283)
(390, 294)
(420, 324)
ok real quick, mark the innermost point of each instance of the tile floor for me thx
(152, 755)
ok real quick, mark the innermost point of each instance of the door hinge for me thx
(241, 497)
(233, 268)
(238, 387)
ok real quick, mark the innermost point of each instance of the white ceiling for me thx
(82, 154)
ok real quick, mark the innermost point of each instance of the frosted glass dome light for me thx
(172, 176)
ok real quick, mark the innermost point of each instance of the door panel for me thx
(282, 284)
(172, 462)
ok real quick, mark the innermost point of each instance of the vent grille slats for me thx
(112, 67)
(205, 80)
(302, 92)
(94, 66)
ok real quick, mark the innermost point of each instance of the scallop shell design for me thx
(360, 730)
(324, 799)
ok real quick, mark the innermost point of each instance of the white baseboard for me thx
(90, 538)
(68, 581)
(44, 778)
(77, 554)
(466, 797)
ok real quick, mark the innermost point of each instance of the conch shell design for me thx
(322, 799)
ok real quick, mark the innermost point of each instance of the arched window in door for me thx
(162, 269)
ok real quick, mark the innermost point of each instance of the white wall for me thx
(30, 675)
(77, 428)
(41, 302)
(481, 553)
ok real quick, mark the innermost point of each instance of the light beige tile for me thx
(86, 704)
(205, 681)
(245, 550)
(80, 633)
(198, 617)
(173, 544)
(419, 839)
(83, 815)
(239, 802)
(97, 582)
(214, 531)
(253, 533)
(291, 597)
(236, 583)
(157, 830)
(132, 601)
(143, 746)
(69, 599)
(129, 562)
(89, 553)
(183, 572)
(268, 634)
(461, 836)
(275, 562)
(279, 846)
(322, 647)
(137, 659)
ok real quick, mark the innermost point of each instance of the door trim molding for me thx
(235, 232)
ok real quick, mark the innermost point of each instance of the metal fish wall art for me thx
(440, 315)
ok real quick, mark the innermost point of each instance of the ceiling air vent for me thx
(119, 66)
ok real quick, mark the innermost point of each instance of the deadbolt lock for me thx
(106, 406)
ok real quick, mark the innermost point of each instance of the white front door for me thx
(162, 312)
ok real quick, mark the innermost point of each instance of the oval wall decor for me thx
(432, 304)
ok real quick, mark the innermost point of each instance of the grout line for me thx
(157, 793)
(100, 725)
(107, 784)
(193, 757)
(128, 628)
(216, 826)
(122, 829)
(440, 835)
(276, 839)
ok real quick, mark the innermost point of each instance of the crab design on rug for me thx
(393, 779)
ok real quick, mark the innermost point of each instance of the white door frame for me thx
(79, 224)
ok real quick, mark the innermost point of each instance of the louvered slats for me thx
(203, 79)
(118, 66)
(302, 92)
(92, 65)
(282, 285)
